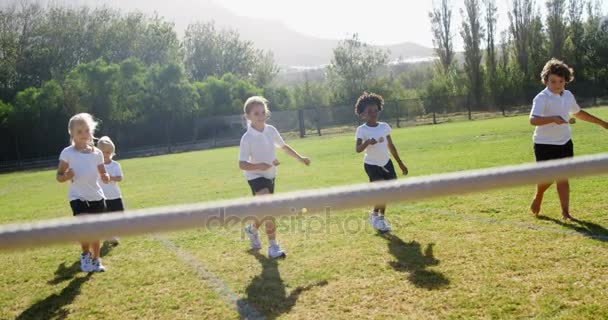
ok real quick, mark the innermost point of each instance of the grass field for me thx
(473, 256)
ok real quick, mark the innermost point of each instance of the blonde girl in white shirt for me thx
(257, 158)
(81, 164)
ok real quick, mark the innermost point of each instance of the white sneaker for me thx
(254, 237)
(85, 262)
(97, 266)
(275, 251)
(379, 223)
(372, 219)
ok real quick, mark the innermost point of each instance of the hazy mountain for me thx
(290, 48)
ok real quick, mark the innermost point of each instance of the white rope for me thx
(164, 219)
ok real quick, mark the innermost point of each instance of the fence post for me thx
(301, 123)
(318, 120)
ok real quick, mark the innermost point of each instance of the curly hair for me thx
(367, 99)
(558, 68)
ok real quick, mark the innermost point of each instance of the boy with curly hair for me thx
(551, 110)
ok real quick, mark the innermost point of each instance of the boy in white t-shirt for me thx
(81, 164)
(374, 138)
(111, 190)
(257, 158)
(551, 110)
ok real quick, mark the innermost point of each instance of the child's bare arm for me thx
(105, 177)
(63, 172)
(395, 154)
(116, 178)
(360, 146)
(293, 153)
(541, 121)
(585, 116)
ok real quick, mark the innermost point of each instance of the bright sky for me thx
(394, 21)
(377, 21)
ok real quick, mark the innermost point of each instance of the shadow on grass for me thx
(588, 229)
(411, 259)
(64, 273)
(52, 307)
(266, 292)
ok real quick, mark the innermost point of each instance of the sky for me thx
(378, 22)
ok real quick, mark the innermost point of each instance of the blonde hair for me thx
(251, 101)
(105, 141)
(82, 119)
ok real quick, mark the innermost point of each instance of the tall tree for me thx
(353, 66)
(491, 17)
(212, 52)
(520, 18)
(170, 97)
(575, 39)
(556, 27)
(441, 25)
(472, 35)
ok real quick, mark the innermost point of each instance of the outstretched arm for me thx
(294, 154)
(585, 116)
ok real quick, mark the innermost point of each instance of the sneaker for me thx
(275, 251)
(85, 262)
(379, 223)
(373, 216)
(97, 266)
(254, 237)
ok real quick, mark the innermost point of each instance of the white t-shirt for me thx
(111, 189)
(549, 104)
(378, 153)
(84, 185)
(259, 147)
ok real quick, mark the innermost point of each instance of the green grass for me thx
(461, 257)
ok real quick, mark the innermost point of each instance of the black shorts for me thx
(261, 183)
(87, 207)
(114, 205)
(544, 152)
(378, 173)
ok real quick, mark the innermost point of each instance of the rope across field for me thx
(164, 219)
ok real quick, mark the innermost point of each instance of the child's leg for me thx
(380, 208)
(96, 249)
(538, 198)
(563, 190)
(86, 248)
(270, 227)
(262, 192)
(271, 230)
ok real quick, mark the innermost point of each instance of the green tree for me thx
(352, 67)
(441, 25)
(556, 27)
(170, 97)
(472, 35)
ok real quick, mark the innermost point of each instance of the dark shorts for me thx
(544, 152)
(378, 173)
(87, 207)
(114, 205)
(261, 183)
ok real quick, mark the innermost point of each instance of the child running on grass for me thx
(81, 164)
(550, 114)
(111, 189)
(257, 158)
(374, 138)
